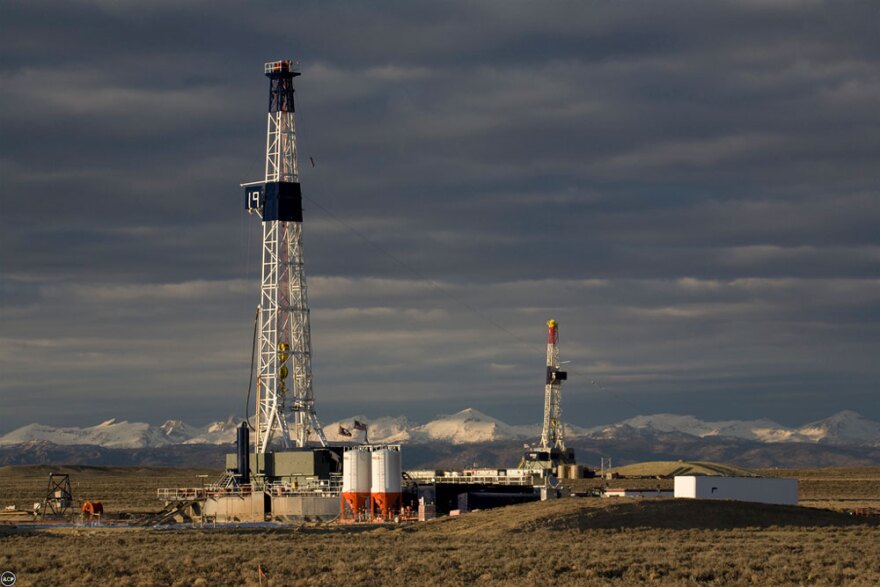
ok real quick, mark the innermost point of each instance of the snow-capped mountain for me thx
(111, 434)
(846, 427)
(762, 430)
(468, 426)
(178, 431)
(222, 432)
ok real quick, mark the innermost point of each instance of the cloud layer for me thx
(689, 188)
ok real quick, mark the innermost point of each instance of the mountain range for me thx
(467, 427)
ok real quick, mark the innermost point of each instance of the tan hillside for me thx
(673, 468)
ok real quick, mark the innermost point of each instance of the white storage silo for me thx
(386, 481)
(356, 480)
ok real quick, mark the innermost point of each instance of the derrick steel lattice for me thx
(284, 343)
(553, 430)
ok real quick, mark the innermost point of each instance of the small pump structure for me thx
(551, 452)
(59, 495)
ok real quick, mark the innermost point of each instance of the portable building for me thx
(754, 489)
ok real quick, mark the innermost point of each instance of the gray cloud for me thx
(690, 188)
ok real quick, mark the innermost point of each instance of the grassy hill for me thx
(673, 468)
(679, 514)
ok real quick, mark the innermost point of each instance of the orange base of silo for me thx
(351, 505)
(385, 505)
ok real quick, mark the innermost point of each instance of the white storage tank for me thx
(356, 476)
(356, 482)
(753, 489)
(385, 471)
(386, 485)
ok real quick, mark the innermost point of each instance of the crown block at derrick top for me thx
(284, 66)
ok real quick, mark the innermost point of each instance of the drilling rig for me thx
(292, 474)
(284, 348)
(551, 451)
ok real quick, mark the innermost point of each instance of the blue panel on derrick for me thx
(283, 201)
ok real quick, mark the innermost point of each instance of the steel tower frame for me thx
(284, 344)
(553, 430)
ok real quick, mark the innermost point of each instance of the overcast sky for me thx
(689, 188)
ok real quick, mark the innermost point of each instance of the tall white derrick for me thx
(284, 355)
(551, 451)
(553, 430)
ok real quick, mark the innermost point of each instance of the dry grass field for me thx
(835, 488)
(120, 489)
(565, 542)
(572, 541)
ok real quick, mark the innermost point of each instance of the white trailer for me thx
(755, 489)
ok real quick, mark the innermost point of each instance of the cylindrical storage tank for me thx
(92, 508)
(243, 451)
(386, 471)
(355, 481)
(356, 471)
(386, 486)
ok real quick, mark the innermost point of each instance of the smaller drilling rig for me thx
(551, 451)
